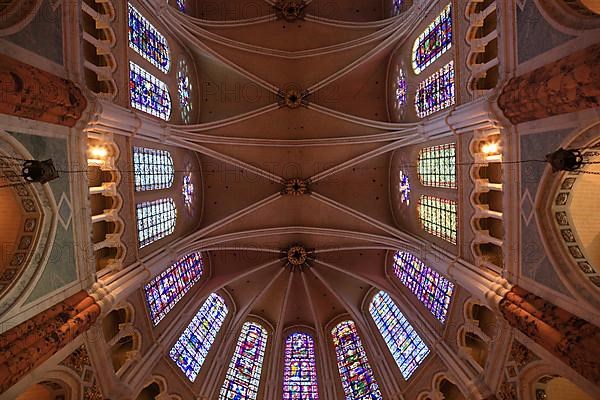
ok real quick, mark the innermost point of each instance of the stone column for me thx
(28, 345)
(573, 340)
(32, 93)
(566, 85)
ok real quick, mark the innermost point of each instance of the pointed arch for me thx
(147, 41)
(406, 346)
(192, 347)
(300, 371)
(355, 371)
(155, 220)
(243, 375)
(431, 288)
(153, 169)
(434, 41)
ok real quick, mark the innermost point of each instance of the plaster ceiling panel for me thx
(296, 162)
(287, 73)
(224, 92)
(231, 10)
(228, 189)
(349, 291)
(326, 305)
(283, 35)
(348, 10)
(300, 123)
(270, 305)
(369, 265)
(298, 311)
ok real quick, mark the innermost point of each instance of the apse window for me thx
(153, 169)
(165, 290)
(438, 217)
(431, 288)
(434, 41)
(243, 375)
(354, 368)
(147, 41)
(436, 92)
(148, 93)
(195, 342)
(436, 166)
(406, 346)
(300, 372)
(155, 220)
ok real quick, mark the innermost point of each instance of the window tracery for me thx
(406, 346)
(438, 217)
(354, 368)
(431, 288)
(434, 41)
(155, 220)
(195, 342)
(147, 41)
(436, 92)
(437, 166)
(300, 372)
(148, 93)
(243, 375)
(153, 169)
(165, 290)
(184, 89)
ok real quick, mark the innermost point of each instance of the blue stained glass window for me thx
(436, 166)
(193, 345)
(155, 220)
(167, 288)
(396, 6)
(300, 372)
(438, 217)
(243, 375)
(153, 169)
(184, 88)
(187, 190)
(404, 188)
(149, 94)
(354, 368)
(435, 40)
(181, 5)
(436, 92)
(431, 288)
(406, 346)
(401, 91)
(147, 41)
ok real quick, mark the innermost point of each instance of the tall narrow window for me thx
(149, 94)
(155, 220)
(355, 371)
(184, 88)
(153, 169)
(243, 375)
(437, 166)
(436, 92)
(406, 346)
(300, 372)
(167, 288)
(147, 41)
(438, 217)
(396, 6)
(435, 40)
(181, 5)
(193, 345)
(431, 288)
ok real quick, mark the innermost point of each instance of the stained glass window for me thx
(431, 288)
(401, 89)
(167, 288)
(187, 190)
(181, 5)
(193, 345)
(149, 94)
(436, 92)
(406, 346)
(437, 166)
(147, 41)
(243, 375)
(184, 88)
(438, 217)
(155, 220)
(435, 40)
(300, 372)
(355, 371)
(396, 6)
(404, 188)
(153, 169)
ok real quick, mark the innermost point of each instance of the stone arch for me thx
(36, 236)
(558, 237)
(156, 388)
(117, 320)
(533, 373)
(56, 384)
(125, 351)
(17, 14)
(569, 16)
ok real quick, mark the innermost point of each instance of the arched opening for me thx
(477, 347)
(11, 224)
(123, 351)
(150, 392)
(484, 318)
(558, 388)
(46, 390)
(111, 323)
(450, 391)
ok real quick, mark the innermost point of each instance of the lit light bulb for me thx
(490, 148)
(98, 152)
